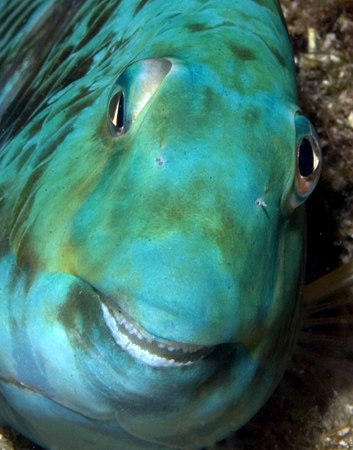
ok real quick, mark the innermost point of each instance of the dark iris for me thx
(306, 158)
(120, 119)
(116, 113)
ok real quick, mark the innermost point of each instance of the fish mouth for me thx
(144, 346)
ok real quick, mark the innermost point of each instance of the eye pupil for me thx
(306, 158)
(116, 114)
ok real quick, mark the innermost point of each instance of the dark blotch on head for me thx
(83, 92)
(35, 128)
(4, 220)
(4, 248)
(96, 24)
(279, 57)
(27, 260)
(252, 116)
(103, 133)
(80, 70)
(24, 157)
(54, 144)
(80, 315)
(243, 53)
(76, 108)
(140, 6)
(196, 27)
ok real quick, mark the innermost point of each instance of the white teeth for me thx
(127, 340)
(129, 328)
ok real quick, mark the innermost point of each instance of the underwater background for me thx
(313, 406)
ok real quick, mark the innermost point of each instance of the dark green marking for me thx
(242, 53)
(140, 6)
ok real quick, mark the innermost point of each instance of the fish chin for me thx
(145, 347)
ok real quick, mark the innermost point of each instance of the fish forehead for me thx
(87, 41)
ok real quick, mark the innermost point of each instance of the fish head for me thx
(161, 234)
(184, 205)
(173, 214)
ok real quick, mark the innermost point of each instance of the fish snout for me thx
(175, 298)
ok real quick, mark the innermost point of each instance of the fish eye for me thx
(307, 157)
(308, 164)
(132, 91)
(116, 114)
(308, 167)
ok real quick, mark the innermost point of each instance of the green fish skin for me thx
(153, 168)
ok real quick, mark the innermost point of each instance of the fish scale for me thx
(150, 171)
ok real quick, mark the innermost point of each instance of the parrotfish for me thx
(153, 171)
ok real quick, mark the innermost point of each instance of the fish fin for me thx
(321, 373)
(313, 405)
(330, 284)
(326, 337)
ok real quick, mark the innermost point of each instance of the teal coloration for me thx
(151, 235)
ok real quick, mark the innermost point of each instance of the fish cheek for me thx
(81, 317)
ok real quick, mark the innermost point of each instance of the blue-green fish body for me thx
(153, 165)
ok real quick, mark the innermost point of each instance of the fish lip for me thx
(145, 347)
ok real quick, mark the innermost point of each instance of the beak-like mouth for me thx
(145, 347)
